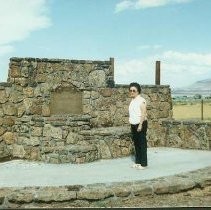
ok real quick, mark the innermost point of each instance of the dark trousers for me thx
(140, 143)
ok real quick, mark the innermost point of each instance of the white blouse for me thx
(135, 109)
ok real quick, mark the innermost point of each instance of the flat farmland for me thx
(191, 110)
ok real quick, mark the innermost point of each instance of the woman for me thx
(138, 122)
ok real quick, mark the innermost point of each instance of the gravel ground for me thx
(193, 198)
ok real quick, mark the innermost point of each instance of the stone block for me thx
(206, 181)
(160, 187)
(9, 121)
(35, 153)
(97, 78)
(73, 138)
(86, 95)
(60, 143)
(15, 71)
(28, 103)
(35, 109)
(20, 111)
(46, 110)
(2, 131)
(28, 92)
(16, 96)
(104, 150)
(41, 78)
(22, 128)
(32, 141)
(125, 151)
(50, 194)
(174, 140)
(18, 151)
(208, 130)
(1, 200)
(179, 184)
(3, 97)
(25, 71)
(80, 159)
(9, 138)
(24, 196)
(64, 159)
(96, 193)
(36, 131)
(106, 92)
(9, 109)
(54, 160)
(46, 149)
(141, 189)
(21, 81)
(51, 131)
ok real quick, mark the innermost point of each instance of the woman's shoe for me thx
(140, 167)
(135, 165)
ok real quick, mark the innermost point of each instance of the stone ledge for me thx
(20, 197)
(142, 86)
(107, 131)
(56, 60)
(184, 122)
(5, 84)
(70, 154)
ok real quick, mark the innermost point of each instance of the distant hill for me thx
(202, 87)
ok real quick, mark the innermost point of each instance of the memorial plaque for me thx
(66, 101)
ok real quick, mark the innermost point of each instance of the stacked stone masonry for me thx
(103, 194)
(60, 111)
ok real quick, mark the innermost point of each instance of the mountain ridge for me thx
(202, 87)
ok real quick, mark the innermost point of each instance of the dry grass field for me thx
(192, 110)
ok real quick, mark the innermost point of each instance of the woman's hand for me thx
(139, 127)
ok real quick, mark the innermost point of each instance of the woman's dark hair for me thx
(136, 85)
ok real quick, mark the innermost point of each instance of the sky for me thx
(136, 33)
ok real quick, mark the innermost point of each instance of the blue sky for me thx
(135, 32)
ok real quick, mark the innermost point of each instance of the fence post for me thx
(110, 81)
(112, 66)
(157, 73)
(202, 111)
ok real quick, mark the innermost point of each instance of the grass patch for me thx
(191, 110)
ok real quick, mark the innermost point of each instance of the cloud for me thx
(18, 18)
(143, 4)
(195, 58)
(177, 69)
(148, 47)
(124, 5)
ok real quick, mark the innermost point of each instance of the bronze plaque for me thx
(66, 101)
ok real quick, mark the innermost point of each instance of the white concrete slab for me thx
(161, 161)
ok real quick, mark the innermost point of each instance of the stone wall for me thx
(109, 106)
(27, 99)
(58, 111)
(187, 134)
(53, 138)
(46, 75)
(105, 194)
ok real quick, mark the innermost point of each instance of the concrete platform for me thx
(162, 162)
